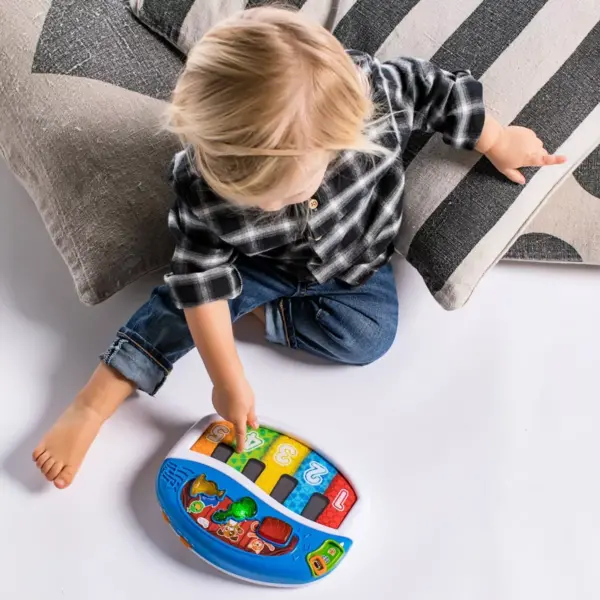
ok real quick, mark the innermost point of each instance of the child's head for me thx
(267, 99)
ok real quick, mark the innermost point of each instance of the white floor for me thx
(476, 435)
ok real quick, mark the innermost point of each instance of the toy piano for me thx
(279, 513)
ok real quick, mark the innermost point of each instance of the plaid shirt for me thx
(355, 215)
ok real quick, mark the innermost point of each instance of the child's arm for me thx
(427, 98)
(202, 280)
(424, 97)
(233, 398)
(510, 148)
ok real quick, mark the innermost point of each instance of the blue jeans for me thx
(345, 324)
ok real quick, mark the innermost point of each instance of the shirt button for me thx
(313, 204)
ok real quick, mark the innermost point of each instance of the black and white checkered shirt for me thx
(355, 215)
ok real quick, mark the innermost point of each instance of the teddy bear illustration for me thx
(230, 531)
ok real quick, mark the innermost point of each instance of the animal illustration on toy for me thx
(279, 513)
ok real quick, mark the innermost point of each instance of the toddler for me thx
(288, 200)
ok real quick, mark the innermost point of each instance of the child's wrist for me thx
(499, 150)
(491, 136)
(232, 381)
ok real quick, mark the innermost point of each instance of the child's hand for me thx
(517, 147)
(236, 404)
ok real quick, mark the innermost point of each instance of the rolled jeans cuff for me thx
(137, 361)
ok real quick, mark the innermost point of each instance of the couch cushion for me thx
(81, 90)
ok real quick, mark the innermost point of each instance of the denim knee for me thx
(360, 340)
(372, 346)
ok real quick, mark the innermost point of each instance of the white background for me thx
(476, 437)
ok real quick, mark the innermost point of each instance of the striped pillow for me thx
(540, 63)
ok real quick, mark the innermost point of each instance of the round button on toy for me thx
(281, 513)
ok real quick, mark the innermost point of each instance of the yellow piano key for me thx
(283, 458)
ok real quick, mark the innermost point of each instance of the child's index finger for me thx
(553, 159)
(240, 436)
(559, 159)
(252, 420)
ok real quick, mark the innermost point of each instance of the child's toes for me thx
(42, 458)
(38, 452)
(47, 465)
(54, 471)
(64, 478)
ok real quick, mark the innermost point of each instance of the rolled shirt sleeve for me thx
(202, 269)
(440, 101)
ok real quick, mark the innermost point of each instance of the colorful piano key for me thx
(220, 432)
(342, 498)
(314, 476)
(258, 443)
(283, 458)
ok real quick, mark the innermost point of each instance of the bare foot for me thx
(62, 450)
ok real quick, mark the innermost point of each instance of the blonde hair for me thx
(262, 90)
